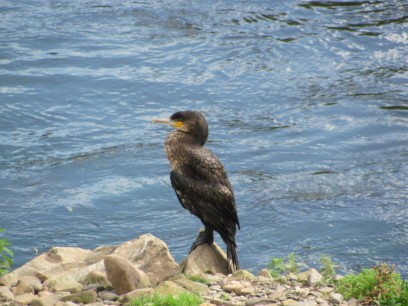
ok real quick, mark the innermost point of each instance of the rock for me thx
(307, 303)
(123, 275)
(22, 288)
(68, 303)
(326, 290)
(336, 298)
(259, 301)
(5, 294)
(151, 255)
(313, 277)
(265, 274)
(170, 288)
(205, 259)
(189, 285)
(66, 286)
(46, 300)
(32, 281)
(232, 286)
(95, 277)
(24, 299)
(9, 280)
(108, 296)
(125, 298)
(243, 275)
(84, 297)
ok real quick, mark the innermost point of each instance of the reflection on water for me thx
(306, 102)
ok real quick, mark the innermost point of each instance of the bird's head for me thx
(190, 122)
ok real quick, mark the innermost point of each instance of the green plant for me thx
(399, 300)
(198, 279)
(6, 255)
(380, 283)
(278, 267)
(225, 296)
(327, 269)
(184, 299)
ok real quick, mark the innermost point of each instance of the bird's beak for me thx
(174, 123)
(163, 121)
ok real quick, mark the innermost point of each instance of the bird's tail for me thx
(232, 256)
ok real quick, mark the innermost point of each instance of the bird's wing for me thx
(203, 188)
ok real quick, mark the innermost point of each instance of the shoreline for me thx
(115, 275)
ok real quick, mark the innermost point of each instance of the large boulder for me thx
(151, 255)
(123, 275)
(206, 259)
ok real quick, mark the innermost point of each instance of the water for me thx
(307, 106)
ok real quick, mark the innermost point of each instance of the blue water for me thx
(307, 106)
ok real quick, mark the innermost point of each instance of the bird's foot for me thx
(204, 236)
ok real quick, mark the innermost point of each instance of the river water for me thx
(306, 102)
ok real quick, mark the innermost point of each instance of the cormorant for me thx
(200, 181)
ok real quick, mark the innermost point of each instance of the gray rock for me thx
(123, 275)
(151, 255)
(108, 296)
(5, 294)
(204, 259)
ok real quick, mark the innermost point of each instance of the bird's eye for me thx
(179, 120)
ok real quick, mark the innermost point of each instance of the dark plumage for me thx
(200, 181)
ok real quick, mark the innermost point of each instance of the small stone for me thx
(207, 304)
(46, 300)
(232, 286)
(5, 294)
(303, 292)
(259, 301)
(108, 296)
(243, 275)
(352, 302)
(336, 298)
(288, 302)
(275, 295)
(245, 291)
(84, 297)
(307, 303)
(326, 290)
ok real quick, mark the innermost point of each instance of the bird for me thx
(201, 182)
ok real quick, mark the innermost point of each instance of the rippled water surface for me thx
(306, 101)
